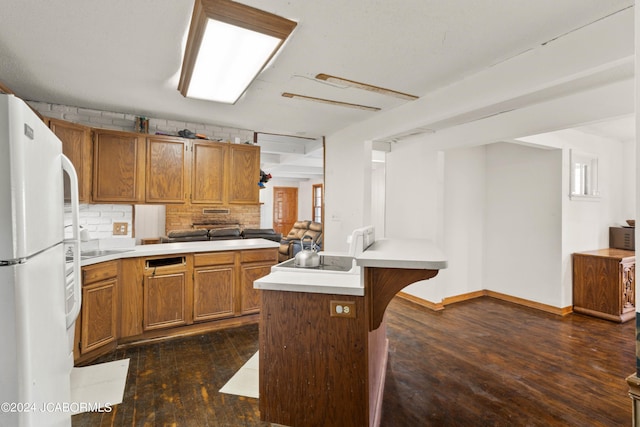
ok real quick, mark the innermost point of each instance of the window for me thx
(584, 175)
(318, 203)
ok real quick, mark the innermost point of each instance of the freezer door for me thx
(36, 361)
(31, 182)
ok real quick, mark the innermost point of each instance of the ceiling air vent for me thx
(215, 211)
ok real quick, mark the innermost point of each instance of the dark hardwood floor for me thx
(482, 362)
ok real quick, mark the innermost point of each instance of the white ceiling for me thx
(622, 129)
(125, 55)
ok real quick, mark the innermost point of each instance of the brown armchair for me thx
(299, 230)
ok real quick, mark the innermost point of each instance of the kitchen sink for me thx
(101, 252)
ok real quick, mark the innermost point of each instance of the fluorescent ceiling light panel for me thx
(228, 45)
(224, 81)
(364, 86)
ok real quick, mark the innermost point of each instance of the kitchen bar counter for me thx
(182, 247)
(312, 282)
(403, 253)
(323, 350)
(411, 254)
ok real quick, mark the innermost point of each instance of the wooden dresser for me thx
(604, 284)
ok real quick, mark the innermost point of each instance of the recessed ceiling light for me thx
(330, 101)
(228, 44)
(364, 86)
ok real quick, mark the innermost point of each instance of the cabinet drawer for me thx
(97, 272)
(213, 258)
(259, 255)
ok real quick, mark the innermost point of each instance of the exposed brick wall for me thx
(181, 217)
(126, 122)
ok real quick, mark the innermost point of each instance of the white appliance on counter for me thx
(39, 271)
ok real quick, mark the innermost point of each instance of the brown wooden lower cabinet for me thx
(171, 295)
(164, 300)
(136, 299)
(604, 284)
(254, 264)
(214, 281)
(96, 327)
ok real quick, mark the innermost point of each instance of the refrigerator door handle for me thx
(74, 241)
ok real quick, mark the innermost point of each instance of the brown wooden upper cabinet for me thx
(77, 146)
(209, 171)
(126, 167)
(244, 166)
(167, 166)
(118, 167)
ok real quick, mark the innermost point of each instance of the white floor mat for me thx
(245, 381)
(98, 386)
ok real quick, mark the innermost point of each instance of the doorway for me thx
(285, 208)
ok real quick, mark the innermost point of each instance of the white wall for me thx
(464, 217)
(345, 185)
(414, 192)
(502, 214)
(585, 223)
(582, 76)
(305, 198)
(523, 223)
(378, 197)
(442, 194)
(629, 179)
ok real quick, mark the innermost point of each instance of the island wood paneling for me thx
(323, 370)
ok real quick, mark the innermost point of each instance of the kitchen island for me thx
(323, 349)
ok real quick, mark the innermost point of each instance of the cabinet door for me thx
(76, 145)
(98, 315)
(208, 172)
(213, 292)
(164, 300)
(244, 174)
(118, 167)
(250, 297)
(166, 175)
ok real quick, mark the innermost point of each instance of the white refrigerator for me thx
(39, 271)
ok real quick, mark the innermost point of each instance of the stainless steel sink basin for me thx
(102, 252)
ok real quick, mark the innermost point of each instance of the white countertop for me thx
(311, 282)
(403, 253)
(183, 248)
(389, 253)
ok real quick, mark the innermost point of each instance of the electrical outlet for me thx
(343, 309)
(120, 228)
